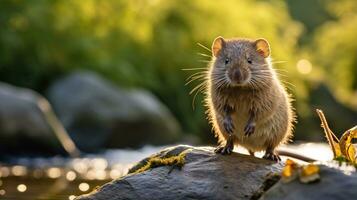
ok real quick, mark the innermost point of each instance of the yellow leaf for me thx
(337, 149)
(346, 146)
(309, 173)
(290, 171)
(309, 170)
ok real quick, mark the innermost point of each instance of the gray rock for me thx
(335, 183)
(98, 114)
(23, 128)
(205, 175)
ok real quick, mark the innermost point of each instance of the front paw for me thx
(272, 156)
(226, 149)
(228, 125)
(249, 129)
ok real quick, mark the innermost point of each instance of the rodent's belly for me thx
(260, 139)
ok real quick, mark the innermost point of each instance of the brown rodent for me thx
(246, 103)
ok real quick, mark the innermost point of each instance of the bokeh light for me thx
(22, 188)
(100, 174)
(4, 171)
(71, 175)
(54, 172)
(114, 174)
(80, 165)
(304, 66)
(18, 170)
(83, 187)
(99, 163)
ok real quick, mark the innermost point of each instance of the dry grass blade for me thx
(331, 137)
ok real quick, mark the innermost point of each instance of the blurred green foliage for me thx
(337, 54)
(146, 43)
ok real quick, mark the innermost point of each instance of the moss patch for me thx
(157, 161)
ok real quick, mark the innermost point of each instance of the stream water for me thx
(55, 178)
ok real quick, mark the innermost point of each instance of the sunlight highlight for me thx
(114, 174)
(71, 175)
(4, 172)
(99, 163)
(304, 66)
(80, 165)
(18, 170)
(22, 188)
(90, 175)
(100, 175)
(83, 187)
(54, 172)
(72, 197)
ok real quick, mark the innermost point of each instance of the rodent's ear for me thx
(217, 45)
(262, 46)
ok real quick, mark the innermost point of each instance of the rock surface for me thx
(335, 183)
(23, 128)
(98, 114)
(205, 175)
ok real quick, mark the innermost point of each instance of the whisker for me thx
(196, 78)
(203, 46)
(205, 55)
(197, 73)
(267, 72)
(195, 88)
(286, 82)
(278, 62)
(192, 69)
(198, 89)
(205, 61)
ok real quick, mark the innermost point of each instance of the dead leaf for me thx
(290, 171)
(306, 173)
(309, 173)
(347, 148)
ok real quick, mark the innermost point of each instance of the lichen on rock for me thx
(157, 161)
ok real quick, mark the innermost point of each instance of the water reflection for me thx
(84, 187)
(71, 175)
(54, 172)
(65, 178)
(4, 171)
(18, 170)
(21, 188)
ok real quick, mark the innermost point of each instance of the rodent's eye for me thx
(226, 61)
(249, 60)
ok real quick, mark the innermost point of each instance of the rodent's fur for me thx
(246, 103)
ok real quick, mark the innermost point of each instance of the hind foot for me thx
(226, 149)
(272, 156)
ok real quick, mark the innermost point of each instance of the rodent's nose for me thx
(237, 75)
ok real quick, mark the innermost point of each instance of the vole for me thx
(246, 103)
